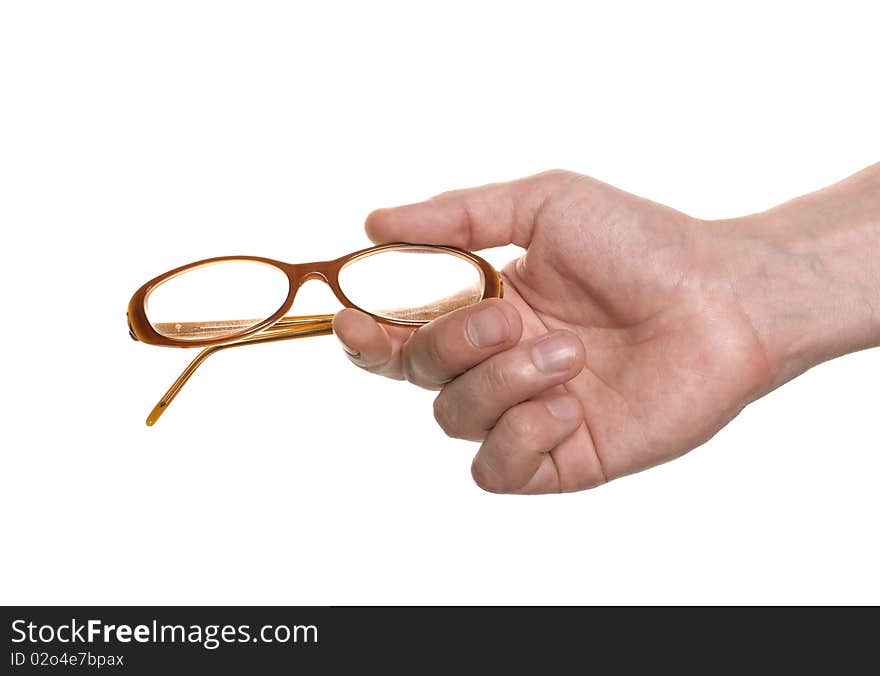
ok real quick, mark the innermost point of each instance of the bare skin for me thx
(629, 333)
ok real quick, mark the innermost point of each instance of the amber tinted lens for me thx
(216, 300)
(412, 283)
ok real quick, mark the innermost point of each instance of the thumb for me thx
(474, 218)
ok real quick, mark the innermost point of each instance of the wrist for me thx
(807, 274)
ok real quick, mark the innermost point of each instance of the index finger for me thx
(475, 218)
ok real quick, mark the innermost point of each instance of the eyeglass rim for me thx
(142, 330)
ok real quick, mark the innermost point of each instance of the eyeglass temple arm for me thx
(286, 329)
(205, 329)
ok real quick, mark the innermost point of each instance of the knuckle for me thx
(424, 357)
(499, 376)
(443, 415)
(555, 173)
(557, 177)
(486, 477)
(522, 430)
(436, 348)
(561, 179)
(454, 417)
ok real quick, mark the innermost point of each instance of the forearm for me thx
(808, 274)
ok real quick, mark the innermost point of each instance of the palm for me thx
(670, 356)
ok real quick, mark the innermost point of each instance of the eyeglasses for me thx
(229, 301)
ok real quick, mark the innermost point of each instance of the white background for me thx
(135, 137)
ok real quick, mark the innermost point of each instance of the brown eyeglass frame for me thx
(279, 326)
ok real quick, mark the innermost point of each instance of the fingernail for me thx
(487, 327)
(563, 407)
(350, 351)
(554, 353)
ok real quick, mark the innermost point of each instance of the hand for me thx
(629, 333)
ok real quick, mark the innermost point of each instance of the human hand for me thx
(629, 333)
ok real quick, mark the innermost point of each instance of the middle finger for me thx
(469, 406)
